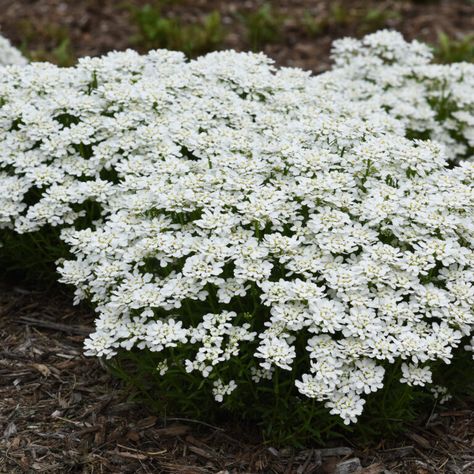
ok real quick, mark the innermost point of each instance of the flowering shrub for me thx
(67, 132)
(326, 259)
(431, 100)
(248, 226)
(9, 54)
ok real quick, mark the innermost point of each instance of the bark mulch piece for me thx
(98, 26)
(61, 412)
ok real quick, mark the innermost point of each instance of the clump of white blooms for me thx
(221, 389)
(162, 367)
(414, 375)
(431, 100)
(441, 394)
(244, 211)
(9, 54)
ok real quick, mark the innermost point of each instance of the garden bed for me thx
(63, 412)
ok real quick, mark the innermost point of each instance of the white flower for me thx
(10, 55)
(348, 407)
(221, 389)
(275, 351)
(441, 394)
(162, 367)
(313, 387)
(415, 375)
(327, 316)
(259, 374)
(161, 334)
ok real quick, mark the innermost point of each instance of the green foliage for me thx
(376, 18)
(157, 31)
(313, 26)
(339, 14)
(281, 415)
(62, 55)
(31, 257)
(262, 26)
(451, 50)
(457, 376)
(273, 407)
(365, 20)
(55, 38)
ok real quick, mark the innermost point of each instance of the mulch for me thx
(61, 412)
(98, 26)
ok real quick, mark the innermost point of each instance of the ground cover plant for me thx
(262, 237)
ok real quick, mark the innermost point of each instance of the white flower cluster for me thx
(431, 100)
(441, 394)
(9, 54)
(221, 389)
(244, 211)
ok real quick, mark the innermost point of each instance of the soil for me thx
(98, 26)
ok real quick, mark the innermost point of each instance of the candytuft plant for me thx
(256, 238)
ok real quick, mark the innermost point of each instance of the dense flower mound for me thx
(246, 223)
(338, 256)
(69, 134)
(9, 54)
(431, 100)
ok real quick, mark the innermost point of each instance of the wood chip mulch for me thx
(61, 412)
